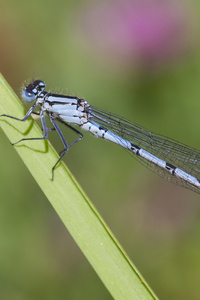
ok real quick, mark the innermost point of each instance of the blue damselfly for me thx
(168, 158)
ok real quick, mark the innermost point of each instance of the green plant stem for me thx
(78, 214)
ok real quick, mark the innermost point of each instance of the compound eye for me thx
(28, 96)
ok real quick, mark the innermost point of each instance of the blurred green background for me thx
(139, 59)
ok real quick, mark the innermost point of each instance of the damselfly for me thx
(168, 158)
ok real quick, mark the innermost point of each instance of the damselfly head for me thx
(31, 91)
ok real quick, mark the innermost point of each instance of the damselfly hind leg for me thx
(65, 144)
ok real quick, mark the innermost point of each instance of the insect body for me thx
(172, 160)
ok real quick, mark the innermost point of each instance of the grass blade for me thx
(80, 217)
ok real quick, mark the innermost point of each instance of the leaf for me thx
(86, 226)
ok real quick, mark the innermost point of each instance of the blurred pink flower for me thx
(142, 31)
